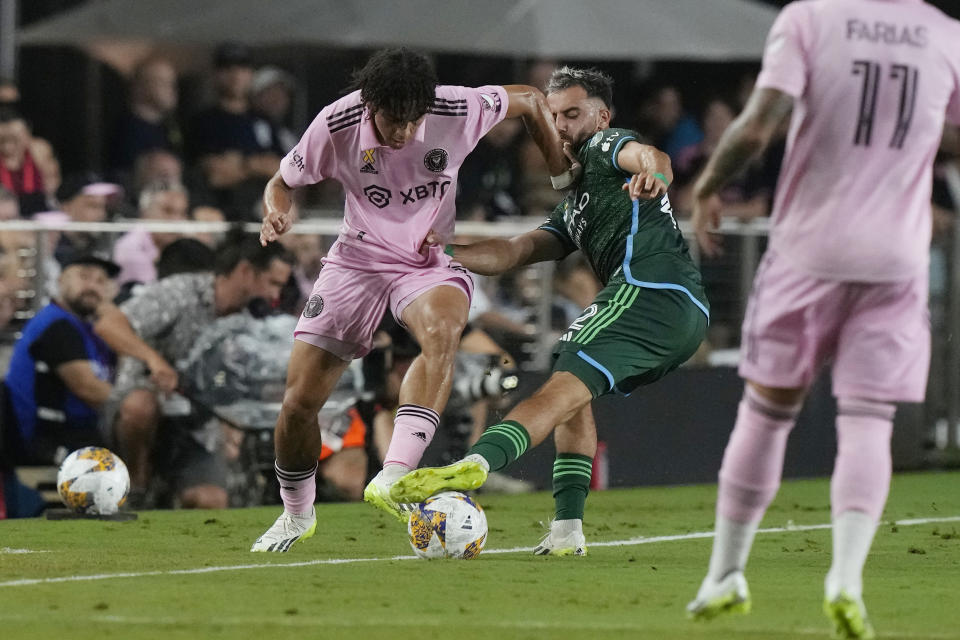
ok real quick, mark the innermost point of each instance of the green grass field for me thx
(189, 574)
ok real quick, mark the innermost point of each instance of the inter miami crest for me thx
(435, 160)
(313, 307)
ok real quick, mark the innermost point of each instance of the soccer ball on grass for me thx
(447, 525)
(93, 480)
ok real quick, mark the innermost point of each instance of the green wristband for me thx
(662, 177)
(448, 250)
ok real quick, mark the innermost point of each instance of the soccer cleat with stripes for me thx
(420, 484)
(377, 493)
(730, 595)
(288, 529)
(849, 617)
(561, 543)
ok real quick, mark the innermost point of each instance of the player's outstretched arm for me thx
(745, 138)
(529, 103)
(651, 169)
(277, 219)
(494, 256)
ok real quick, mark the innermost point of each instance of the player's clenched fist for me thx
(275, 224)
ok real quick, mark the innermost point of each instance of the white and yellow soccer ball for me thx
(93, 480)
(447, 525)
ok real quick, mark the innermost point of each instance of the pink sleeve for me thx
(486, 107)
(953, 106)
(312, 159)
(784, 56)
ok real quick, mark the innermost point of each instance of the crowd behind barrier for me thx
(175, 186)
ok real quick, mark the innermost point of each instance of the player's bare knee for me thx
(300, 409)
(779, 395)
(440, 336)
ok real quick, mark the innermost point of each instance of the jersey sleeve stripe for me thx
(628, 276)
(344, 125)
(616, 150)
(339, 115)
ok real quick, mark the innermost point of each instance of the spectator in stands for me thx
(749, 196)
(137, 250)
(9, 205)
(150, 122)
(491, 176)
(203, 212)
(84, 197)
(308, 250)
(156, 165)
(9, 93)
(185, 255)
(19, 171)
(665, 121)
(222, 139)
(690, 160)
(271, 98)
(156, 328)
(17, 257)
(61, 373)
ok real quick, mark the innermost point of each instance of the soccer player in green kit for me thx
(649, 318)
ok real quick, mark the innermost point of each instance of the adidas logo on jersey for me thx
(421, 435)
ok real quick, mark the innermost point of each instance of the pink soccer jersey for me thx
(874, 81)
(395, 196)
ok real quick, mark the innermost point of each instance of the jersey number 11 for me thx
(907, 78)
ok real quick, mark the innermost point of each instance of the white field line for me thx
(25, 582)
(8, 550)
(312, 622)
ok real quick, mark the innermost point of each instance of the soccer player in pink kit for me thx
(844, 281)
(396, 145)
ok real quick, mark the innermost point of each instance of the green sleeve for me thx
(603, 147)
(555, 224)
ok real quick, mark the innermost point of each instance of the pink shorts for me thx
(876, 336)
(354, 288)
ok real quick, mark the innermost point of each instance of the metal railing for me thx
(750, 238)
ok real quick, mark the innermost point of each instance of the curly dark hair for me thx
(596, 83)
(399, 82)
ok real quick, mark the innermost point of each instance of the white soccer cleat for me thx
(730, 595)
(562, 541)
(288, 528)
(377, 493)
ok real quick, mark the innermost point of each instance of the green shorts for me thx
(630, 336)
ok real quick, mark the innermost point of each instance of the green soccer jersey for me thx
(636, 241)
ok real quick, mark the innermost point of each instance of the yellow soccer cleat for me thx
(849, 617)
(420, 484)
(377, 493)
(730, 595)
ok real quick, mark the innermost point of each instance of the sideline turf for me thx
(912, 580)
